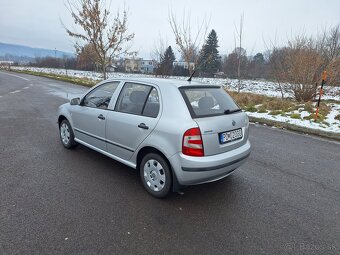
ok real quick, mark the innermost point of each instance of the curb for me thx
(298, 129)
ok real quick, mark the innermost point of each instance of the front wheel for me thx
(155, 174)
(66, 135)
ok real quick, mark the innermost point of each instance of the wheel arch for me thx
(61, 118)
(65, 116)
(149, 149)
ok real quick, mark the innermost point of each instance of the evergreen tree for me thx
(165, 67)
(209, 60)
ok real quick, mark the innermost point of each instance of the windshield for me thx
(208, 101)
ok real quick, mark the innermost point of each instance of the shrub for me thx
(261, 109)
(309, 117)
(309, 107)
(295, 116)
(337, 117)
(277, 112)
(251, 108)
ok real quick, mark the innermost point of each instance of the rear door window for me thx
(138, 99)
(151, 107)
(208, 101)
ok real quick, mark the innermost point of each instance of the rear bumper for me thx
(195, 170)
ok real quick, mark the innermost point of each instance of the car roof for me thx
(161, 81)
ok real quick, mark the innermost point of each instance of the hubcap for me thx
(154, 175)
(64, 133)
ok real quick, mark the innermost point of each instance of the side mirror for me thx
(75, 101)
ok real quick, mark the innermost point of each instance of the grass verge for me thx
(80, 81)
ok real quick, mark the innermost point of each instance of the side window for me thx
(138, 99)
(100, 97)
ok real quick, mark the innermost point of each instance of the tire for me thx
(155, 175)
(66, 135)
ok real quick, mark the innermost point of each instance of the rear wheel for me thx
(66, 135)
(155, 174)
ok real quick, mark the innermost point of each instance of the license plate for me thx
(230, 136)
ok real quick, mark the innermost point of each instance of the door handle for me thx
(101, 116)
(142, 125)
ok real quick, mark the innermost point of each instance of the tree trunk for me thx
(103, 67)
(239, 75)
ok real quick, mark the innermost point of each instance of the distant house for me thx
(111, 68)
(184, 64)
(147, 66)
(119, 65)
(220, 75)
(6, 63)
(132, 65)
(139, 65)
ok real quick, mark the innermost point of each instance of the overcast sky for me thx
(36, 23)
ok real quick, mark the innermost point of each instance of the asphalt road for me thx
(284, 200)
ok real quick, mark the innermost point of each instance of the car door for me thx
(136, 114)
(90, 115)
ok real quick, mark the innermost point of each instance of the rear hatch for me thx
(223, 125)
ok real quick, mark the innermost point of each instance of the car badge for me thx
(234, 122)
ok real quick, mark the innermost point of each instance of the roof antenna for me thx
(191, 75)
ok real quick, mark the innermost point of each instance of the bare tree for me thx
(332, 55)
(187, 40)
(277, 66)
(297, 67)
(159, 48)
(304, 67)
(239, 33)
(106, 33)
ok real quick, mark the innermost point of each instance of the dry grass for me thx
(309, 107)
(276, 106)
(324, 109)
(247, 99)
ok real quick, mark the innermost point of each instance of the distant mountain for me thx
(29, 52)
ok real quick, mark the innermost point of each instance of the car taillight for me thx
(192, 144)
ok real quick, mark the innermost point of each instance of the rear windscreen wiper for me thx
(231, 111)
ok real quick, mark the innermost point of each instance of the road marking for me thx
(26, 88)
(16, 76)
(15, 91)
(0, 96)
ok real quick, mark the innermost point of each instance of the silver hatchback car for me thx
(175, 133)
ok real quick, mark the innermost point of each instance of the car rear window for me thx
(208, 101)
